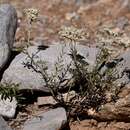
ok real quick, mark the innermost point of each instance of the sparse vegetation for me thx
(9, 90)
(89, 90)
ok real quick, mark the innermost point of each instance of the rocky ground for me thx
(53, 14)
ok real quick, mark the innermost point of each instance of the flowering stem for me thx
(29, 32)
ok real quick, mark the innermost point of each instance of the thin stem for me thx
(29, 32)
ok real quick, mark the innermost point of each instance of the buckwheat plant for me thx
(32, 16)
(72, 35)
(92, 85)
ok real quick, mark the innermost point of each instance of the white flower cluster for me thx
(113, 39)
(72, 33)
(32, 14)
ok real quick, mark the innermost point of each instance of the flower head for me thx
(72, 33)
(32, 14)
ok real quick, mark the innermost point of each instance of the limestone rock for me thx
(50, 100)
(28, 79)
(8, 25)
(46, 100)
(52, 120)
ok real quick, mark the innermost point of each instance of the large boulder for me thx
(29, 79)
(8, 25)
(52, 120)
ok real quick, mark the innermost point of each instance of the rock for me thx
(79, 2)
(28, 79)
(119, 110)
(122, 67)
(8, 108)
(50, 100)
(38, 41)
(125, 4)
(121, 22)
(8, 25)
(119, 126)
(3, 124)
(52, 120)
(94, 125)
(46, 100)
(70, 16)
(124, 91)
(84, 125)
